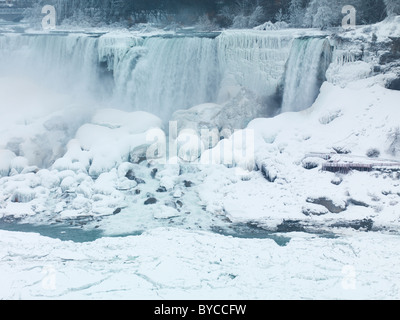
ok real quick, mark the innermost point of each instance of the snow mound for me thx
(198, 117)
(107, 141)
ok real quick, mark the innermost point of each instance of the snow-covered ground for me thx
(350, 119)
(184, 230)
(176, 264)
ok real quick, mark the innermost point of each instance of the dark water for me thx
(250, 231)
(79, 233)
(56, 231)
(67, 232)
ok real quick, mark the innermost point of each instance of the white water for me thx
(162, 75)
(305, 72)
(173, 74)
(56, 61)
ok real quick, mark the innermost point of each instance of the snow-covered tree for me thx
(244, 14)
(256, 17)
(239, 13)
(33, 15)
(310, 12)
(323, 13)
(206, 24)
(392, 7)
(280, 16)
(323, 17)
(296, 13)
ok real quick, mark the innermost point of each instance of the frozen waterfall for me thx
(165, 73)
(172, 74)
(305, 72)
(57, 61)
(253, 60)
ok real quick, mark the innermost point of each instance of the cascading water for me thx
(50, 85)
(57, 61)
(253, 60)
(309, 60)
(162, 74)
(170, 74)
(165, 74)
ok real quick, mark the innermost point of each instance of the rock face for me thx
(161, 189)
(337, 180)
(328, 204)
(392, 54)
(268, 172)
(366, 55)
(314, 210)
(394, 84)
(311, 163)
(358, 203)
(188, 184)
(150, 201)
(365, 224)
(130, 175)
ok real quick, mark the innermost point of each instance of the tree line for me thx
(215, 13)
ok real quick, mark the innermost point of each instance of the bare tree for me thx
(394, 140)
(392, 7)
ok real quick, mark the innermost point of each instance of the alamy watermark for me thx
(349, 21)
(50, 20)
(205, 147)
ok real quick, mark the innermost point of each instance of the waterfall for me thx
(168, 74)
(162, 74)
(305, 72)
(57, 61)
(253, 59)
